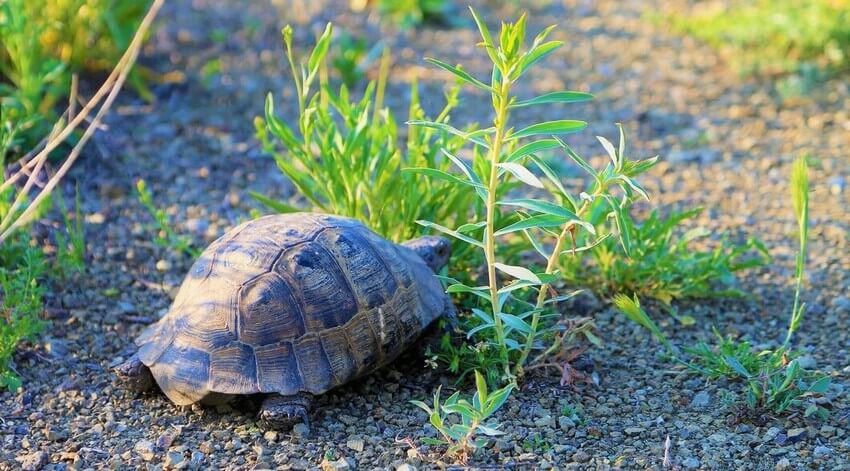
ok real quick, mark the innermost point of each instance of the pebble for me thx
(797, 434)
(197, 457)
(565, 423)
(163, 265)
(783, 465)
(338, 465)
(32, 461)
(355, 444)
(405, 467)
(691, 463)
(837, 184)
(301, 430)
(145, 449)
(270, 435)
(634, 430)
(701, 399)
(841, 305)
(822, 451)
(581, 456)
(807, 362)
(55, 435)
(174, 459)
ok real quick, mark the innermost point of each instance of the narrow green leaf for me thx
(515, 323)
(460, 73)
(539, 221)
(488, 39)
(584, 248)
(455, 234)
(321, 49)
(561, 126)
(540, 206)
(277, 206)
(609, 149)
(531, 148)
(521, 173)
(578, 160)
(470, 136)
(432, 172)
(520, 273)
(554, 97)
(736, 366)
(535, 55)
(623, 224)
(277, 126)
(481, 386)
(482, 291)
(630, 307)
(820, 386)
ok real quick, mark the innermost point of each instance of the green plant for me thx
(350, 57)
(71, 240)
(345, 157)
(165, 235)
(461, 358)
(502, 153)
(774, 35)
(658, 263)
(42, 43)
(410, 13)
(22, 269)
(774, 379)
(459, 421)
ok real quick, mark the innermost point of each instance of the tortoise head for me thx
(435, 251)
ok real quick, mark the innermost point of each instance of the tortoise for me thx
(290, 306)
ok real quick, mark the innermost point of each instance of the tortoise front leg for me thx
(284, 412)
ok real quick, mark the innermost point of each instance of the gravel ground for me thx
(726, 144)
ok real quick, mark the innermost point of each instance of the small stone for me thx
(197, 457)
(837, 185)
(338, 465)
(301, 430)
(163, 265)
(405, 467)
(206, 447)
(691, 463)
(565, 423)
(270, 435)
(32, 461)
(581, 456)
(355, 444)
(546, 421)
(827, 430)
(174, 459)
(841, 305)
(796, 434)
(145, 449)
(771, 433)
(701, 400)
(783, 465)
(807, 362)
(822, 451)
(634, 430)
(55, 435)
(127, 307)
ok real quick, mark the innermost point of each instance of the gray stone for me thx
(771, 433)
(32, 461)
(841, 305)
(690, 463)
(338, 465)
(405, 467)
(822, 451)
(701, 400)
(807, 362)
(174, 459)
(634, 430)
(581, 456)
(837, 184)
(355, 444)
(301, 430)
(783, 465)
(145, 449)
(797, 434)
(565, 423)
(197, 457)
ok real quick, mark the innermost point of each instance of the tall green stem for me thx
(490, 242)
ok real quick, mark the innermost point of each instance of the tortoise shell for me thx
(286, 304)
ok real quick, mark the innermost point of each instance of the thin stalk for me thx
(544, 288)
(490, 242)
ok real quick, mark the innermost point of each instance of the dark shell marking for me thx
(287, 304)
